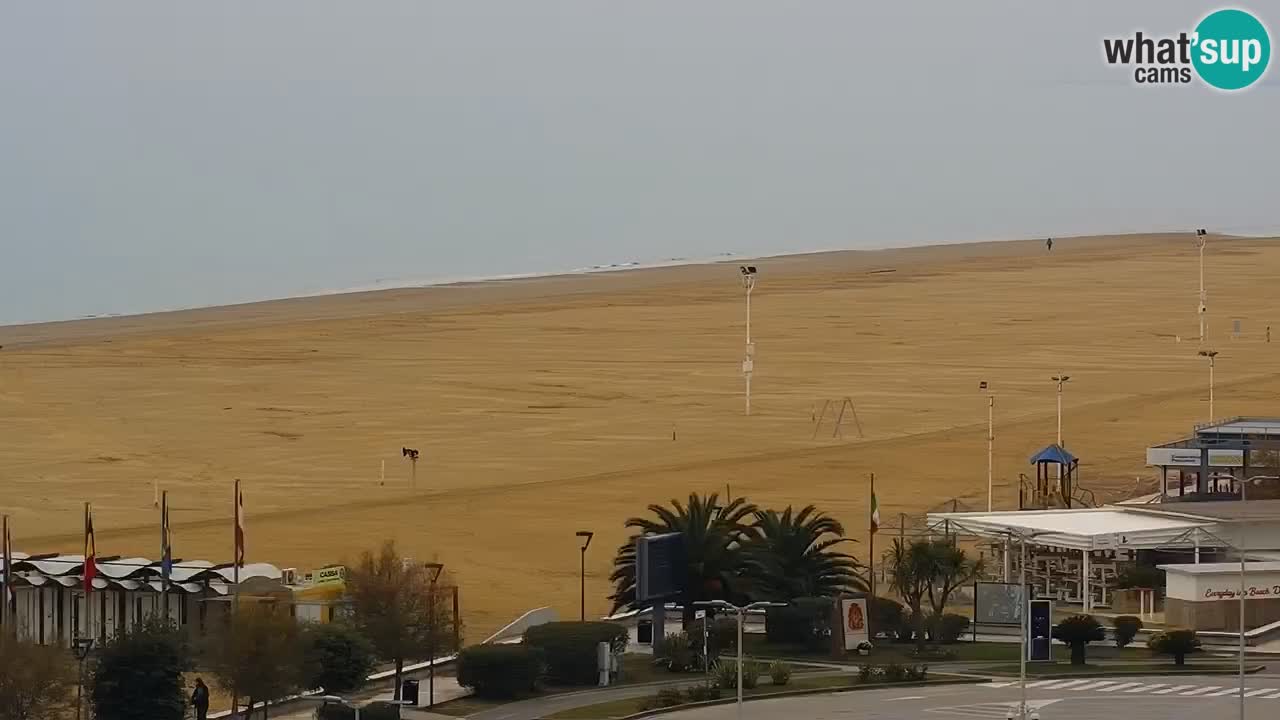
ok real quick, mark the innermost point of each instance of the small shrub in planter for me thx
(670, 697)
(917, 673)
(1126, 629)
(499, 671)
(779, 673)
(676, 652)
(866, 673)
(1178, 643)
(893, 672)
(1076, 632)
(702, 693)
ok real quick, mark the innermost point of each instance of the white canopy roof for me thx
(1086, 529)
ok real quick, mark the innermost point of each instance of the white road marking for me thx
(1272, 696)
(1061, 684)
(1173, 689)
(1201, 690)
(1146, 688)
(905, 697)
(1120, 686)
(1041, 683)
(1095, 685)
(1228, 691)
(1263, 691)
(994, 684)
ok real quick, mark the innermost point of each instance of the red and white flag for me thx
(239, 526)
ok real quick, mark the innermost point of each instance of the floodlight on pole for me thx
(1202, 240)
(741, 612)
(748, 273)
(586, 536)
(1211, 354)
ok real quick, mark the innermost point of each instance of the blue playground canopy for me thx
(1055, 454)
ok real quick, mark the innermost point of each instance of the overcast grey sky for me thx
(169, 154)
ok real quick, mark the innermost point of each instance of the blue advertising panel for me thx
(1040, 631)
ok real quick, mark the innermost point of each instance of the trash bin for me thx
(409, 691)
(644, 632)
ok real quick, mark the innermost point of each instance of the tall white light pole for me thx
(741, 613)
(1201, 241)
(1060, 380)
(748, 362)
(1211, 354)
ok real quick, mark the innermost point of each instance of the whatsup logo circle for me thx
(1231, 49)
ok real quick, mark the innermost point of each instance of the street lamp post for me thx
(431, 633)
(1060, 380)
(586, 535)
(1211, 354)
(81, 647)
(748, 362)
(991, 437)
(741, 612)
(1201, 241)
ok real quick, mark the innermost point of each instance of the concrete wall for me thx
(1223, 615)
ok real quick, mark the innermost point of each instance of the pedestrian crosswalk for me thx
(1135, 687)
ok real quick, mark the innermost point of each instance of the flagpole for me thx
(87, 573)
(8, 578)
(165, 553)
(871, 537)
(236, 531)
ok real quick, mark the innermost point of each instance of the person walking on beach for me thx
(200, 700)
(1048, 243)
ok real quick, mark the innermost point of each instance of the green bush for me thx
(779, 672)
(336, 657)
(380, 710)
(703, 692)
(1126, 629)
(670, 697)
(675, 652)
(886, 617)
(1076, 632)
(1178, 643)
(500, 671)
(917, 673)
(723, 632)
(893, 672)
(947, 628)
(569, 648)
(804, 621)
(725, 673)
(335, 712)
(866, 673)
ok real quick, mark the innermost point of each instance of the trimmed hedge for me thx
(1126, 629)
(804, 621)
(569, 648)
(500, 671)
(380, 711)
(888, 617)
(335, 712)
(947, 628)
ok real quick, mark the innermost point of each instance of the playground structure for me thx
(1058, 489)
(845, 406)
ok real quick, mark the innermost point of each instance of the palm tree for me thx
(791, 555)
(713, 538)
(912, 571)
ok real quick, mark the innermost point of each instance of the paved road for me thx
(1212, 697)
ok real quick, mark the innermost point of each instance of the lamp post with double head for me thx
(1201, 240)
(741, 612)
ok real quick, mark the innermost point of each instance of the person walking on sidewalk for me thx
(200, 700)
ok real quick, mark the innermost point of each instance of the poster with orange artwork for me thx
(853, 612)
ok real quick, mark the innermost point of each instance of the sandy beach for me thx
(548, 405)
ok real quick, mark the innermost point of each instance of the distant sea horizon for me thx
(445, 280)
